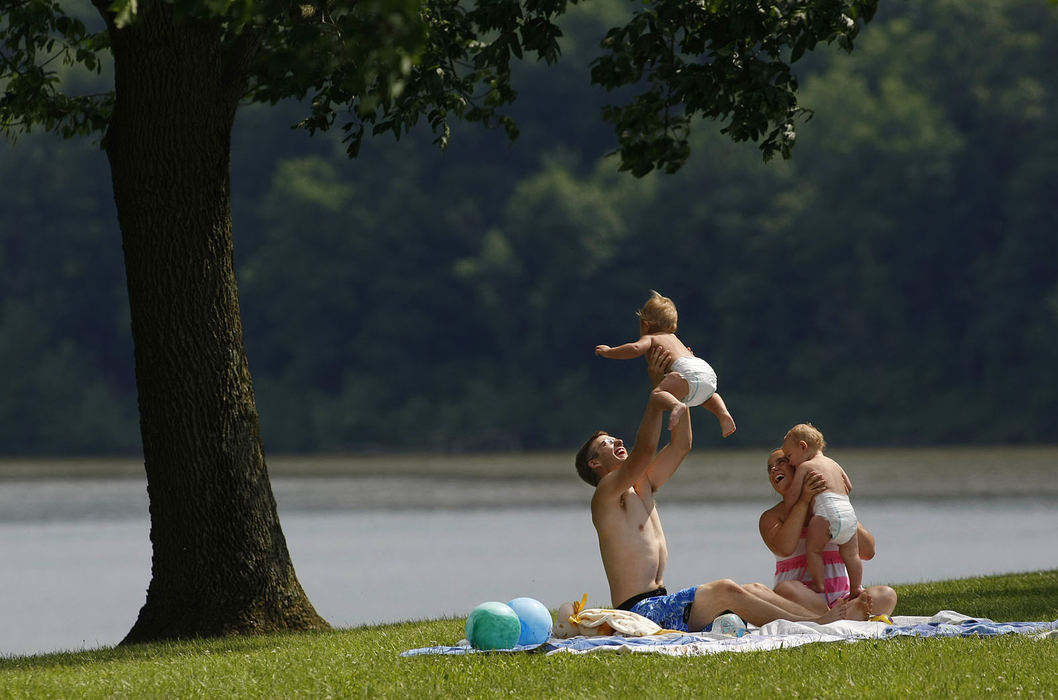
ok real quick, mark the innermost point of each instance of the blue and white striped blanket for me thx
(780, 634)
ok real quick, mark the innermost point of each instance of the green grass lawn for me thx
(365, 662)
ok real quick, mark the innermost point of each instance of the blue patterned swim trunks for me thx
(670, 611)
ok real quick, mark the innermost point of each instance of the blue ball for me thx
(535, 620)
(493, 625)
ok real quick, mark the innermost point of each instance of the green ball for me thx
(493, 625)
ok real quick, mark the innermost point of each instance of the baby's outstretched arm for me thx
(628, 351)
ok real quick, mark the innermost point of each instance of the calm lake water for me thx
(435, 536)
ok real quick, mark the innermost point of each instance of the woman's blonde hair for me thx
(658, 314)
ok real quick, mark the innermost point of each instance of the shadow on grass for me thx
(233, 644)
(400, 636)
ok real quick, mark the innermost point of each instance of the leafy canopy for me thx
(380, 66)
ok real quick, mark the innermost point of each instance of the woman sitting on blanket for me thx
(784, 533)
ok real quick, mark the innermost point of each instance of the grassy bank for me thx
(365, 662)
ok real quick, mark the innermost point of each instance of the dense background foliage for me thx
(895, 283)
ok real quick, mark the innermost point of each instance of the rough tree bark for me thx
(220, 560)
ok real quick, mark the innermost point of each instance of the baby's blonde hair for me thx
(658, 314)
(810, 434)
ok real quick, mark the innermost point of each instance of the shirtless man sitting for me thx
(632, 542)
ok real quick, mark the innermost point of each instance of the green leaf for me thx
(124, 12)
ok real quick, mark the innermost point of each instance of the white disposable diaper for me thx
(700, 378)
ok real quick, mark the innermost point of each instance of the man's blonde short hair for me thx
(658, 314)
(810, 434)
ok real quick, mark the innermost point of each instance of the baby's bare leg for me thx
(670, 402)
(818, 536)
(850, 552)
(674, 384)
(718, 408)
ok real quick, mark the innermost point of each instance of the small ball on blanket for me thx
(729, 624)
(535, 619)
(493, 625)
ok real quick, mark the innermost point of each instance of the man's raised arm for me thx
(641, 454)
(665, 464)
(672, 455)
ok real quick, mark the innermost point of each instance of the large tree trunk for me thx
(220, 561)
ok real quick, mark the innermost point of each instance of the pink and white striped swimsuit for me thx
(835, 576)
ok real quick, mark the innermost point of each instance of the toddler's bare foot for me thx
(855, 592)
(727, 424)
(859, 608)
(676, 415)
